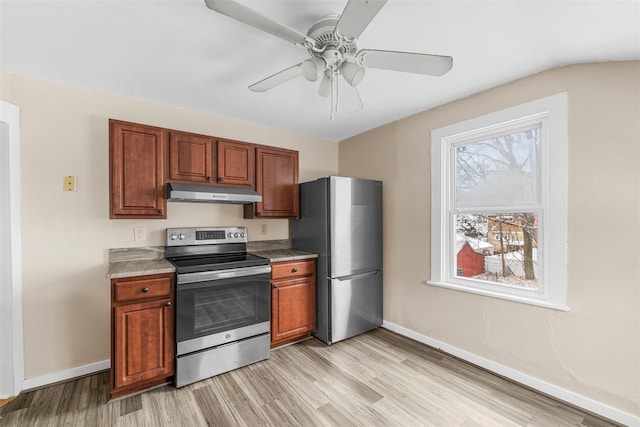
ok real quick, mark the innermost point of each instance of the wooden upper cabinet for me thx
(205, 160)
(136, 166)
(277, 182)
(236, 163)
(192, 158)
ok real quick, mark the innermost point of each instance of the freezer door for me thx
(355, 226)
(356, 305)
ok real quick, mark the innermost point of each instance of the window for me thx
(498, 204)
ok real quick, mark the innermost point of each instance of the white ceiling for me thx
(183, 54)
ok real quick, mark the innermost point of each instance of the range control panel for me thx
(206, 235)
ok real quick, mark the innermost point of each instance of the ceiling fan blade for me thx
(357, 15)
(277, 79)
(250, 17)
(348, 96)
(419, 63)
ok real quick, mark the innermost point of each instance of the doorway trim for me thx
(11, 331)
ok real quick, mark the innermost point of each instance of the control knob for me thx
(242, 235)
(236, 235)
(182, 236)
(173, 236)
(229, 235)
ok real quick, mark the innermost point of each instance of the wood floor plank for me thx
(375, 379)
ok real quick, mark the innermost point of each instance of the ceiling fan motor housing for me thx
(328, 44)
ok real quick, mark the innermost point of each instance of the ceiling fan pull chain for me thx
(334, 89)
(335, 85)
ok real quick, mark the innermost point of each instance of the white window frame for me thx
(552, 114)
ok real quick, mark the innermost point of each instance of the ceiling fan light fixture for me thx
(325, 86)
(313, 68)
(352, 72)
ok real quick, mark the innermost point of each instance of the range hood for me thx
(210, 194)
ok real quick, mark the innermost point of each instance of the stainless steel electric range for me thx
(222, 302)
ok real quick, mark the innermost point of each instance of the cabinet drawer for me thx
(288, 269)
(141, 288)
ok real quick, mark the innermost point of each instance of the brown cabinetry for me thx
(192, 158)
(207, 160)
(293, 300)
(277, 182)
(236, 163)
(142, 332)
(144, 158)
(136, 166)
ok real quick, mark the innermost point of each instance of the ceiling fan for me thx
(332, 44)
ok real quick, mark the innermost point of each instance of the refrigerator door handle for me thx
(357, 276)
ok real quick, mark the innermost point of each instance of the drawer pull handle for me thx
(168, 303)
(145, 290)
(294, 270)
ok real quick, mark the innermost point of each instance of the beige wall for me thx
(592, 350)
(66, 235)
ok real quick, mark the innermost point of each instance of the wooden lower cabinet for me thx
(293, 301)
(142, 332)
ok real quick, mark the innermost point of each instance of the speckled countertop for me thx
(128, 262)
(286, 254)
(277, 250)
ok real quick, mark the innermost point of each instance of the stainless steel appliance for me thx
(222, 302)
(177, 192)
(341, 221)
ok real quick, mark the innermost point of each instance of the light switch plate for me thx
(69, 183)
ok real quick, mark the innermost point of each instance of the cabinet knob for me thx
(275, 286)
(294, 270)
(221, 179)
(160, 211)
(208, 178)
(145, 290)
(258, 213)
(168, 303)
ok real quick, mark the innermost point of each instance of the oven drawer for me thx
(140, 288)
(289, 269)
(207, 363)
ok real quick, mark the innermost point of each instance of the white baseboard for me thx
(56, 377)
(522, 378)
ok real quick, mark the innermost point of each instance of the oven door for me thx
(218, 307)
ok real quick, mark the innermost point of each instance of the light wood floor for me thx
(376, 379)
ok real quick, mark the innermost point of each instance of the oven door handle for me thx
(207, 276)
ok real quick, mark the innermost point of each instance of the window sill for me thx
(500, 295)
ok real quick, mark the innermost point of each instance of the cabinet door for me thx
(143, 342)
(236, 163)
(191, 158)
(293, 308)
(137, 163)
(277, 182)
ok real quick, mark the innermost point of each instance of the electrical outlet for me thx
(69, 183)
(263, 229)
(139, 234)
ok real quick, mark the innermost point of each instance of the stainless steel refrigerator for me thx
(341, 221)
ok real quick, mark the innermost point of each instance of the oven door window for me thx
(207, 308)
